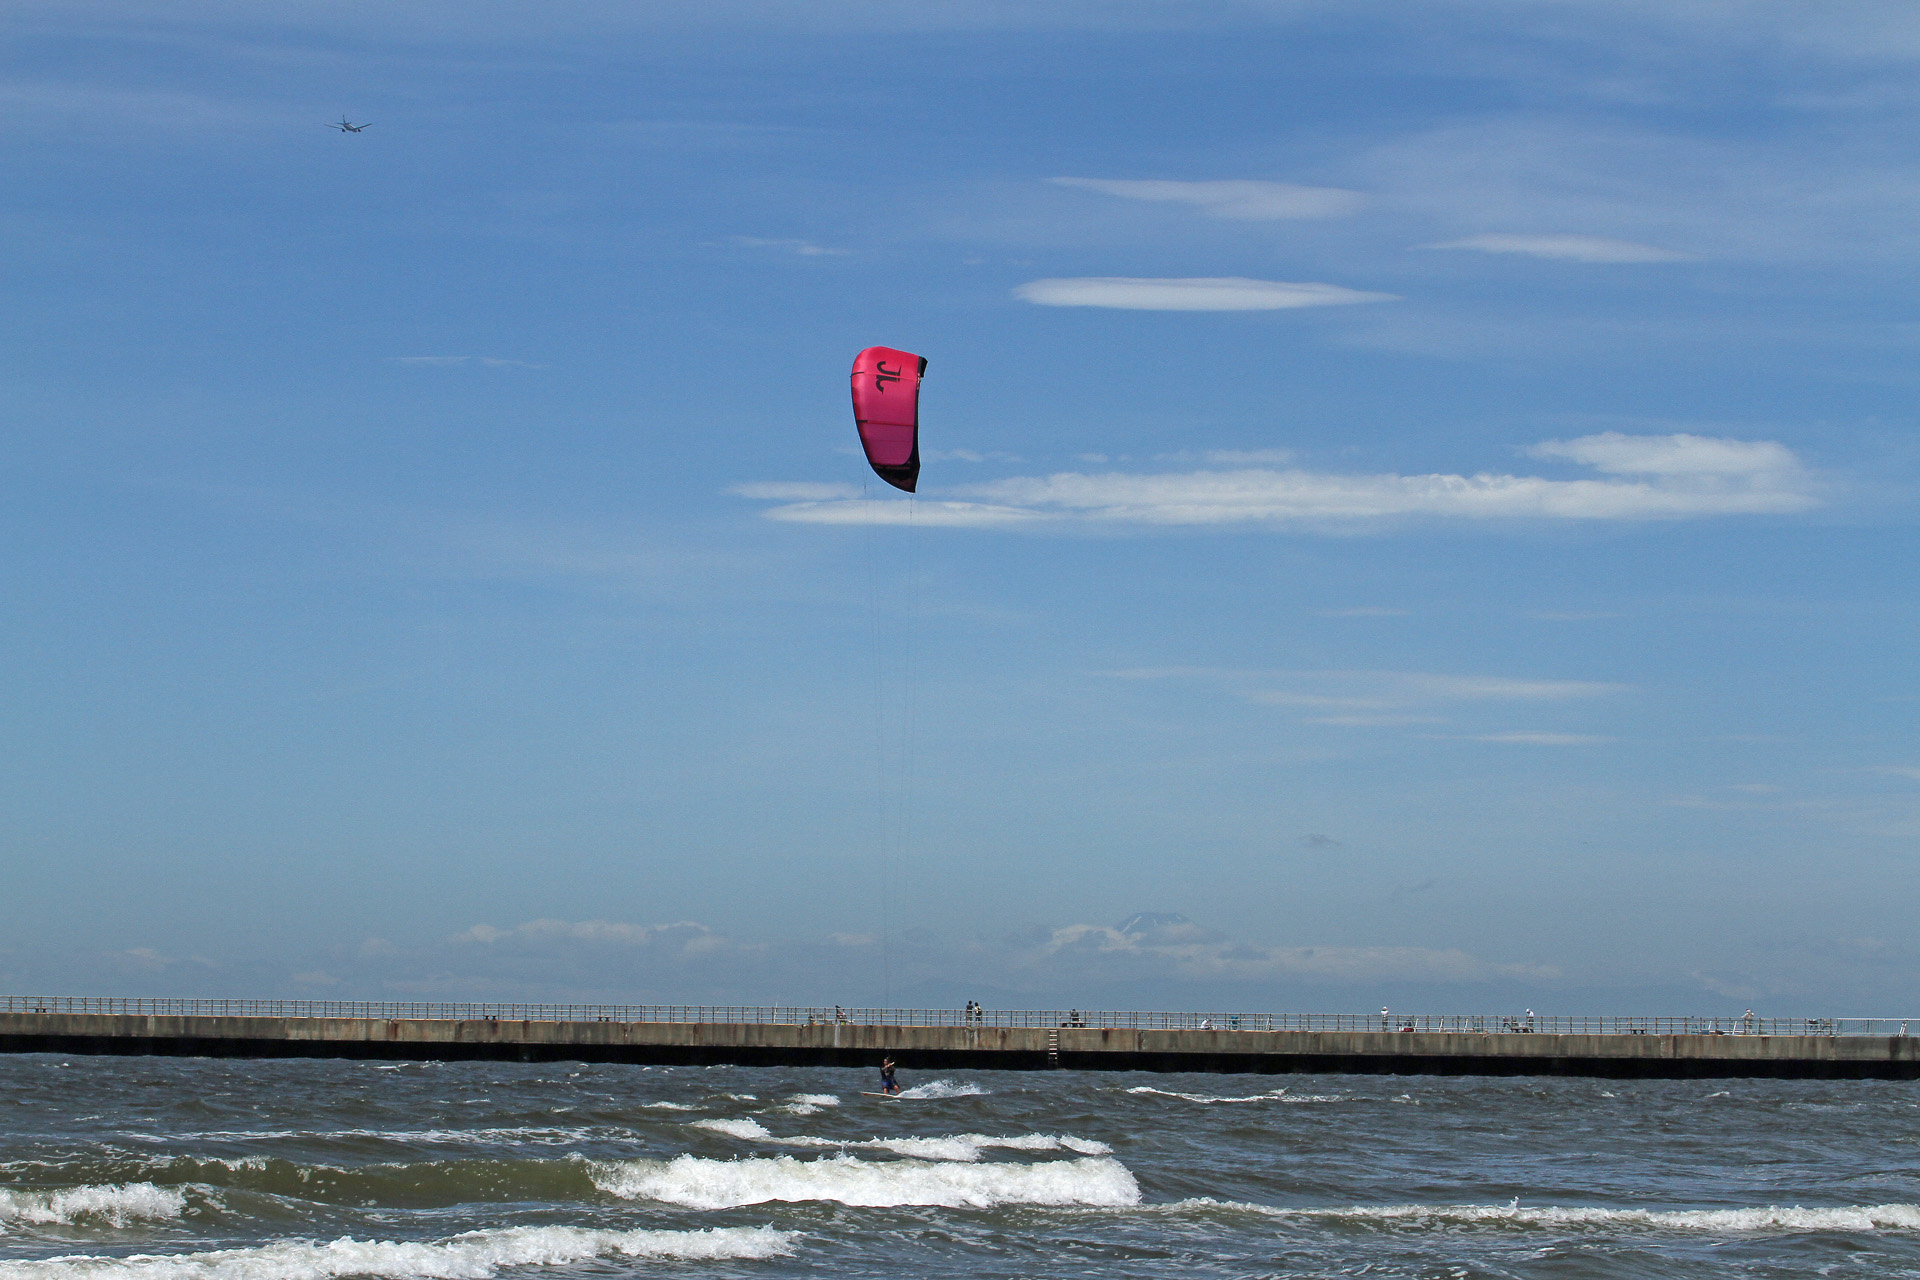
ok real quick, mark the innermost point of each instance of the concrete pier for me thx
(984, 1047)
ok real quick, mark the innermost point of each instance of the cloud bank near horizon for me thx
(1645, 478)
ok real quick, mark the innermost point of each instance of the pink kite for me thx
(886, 407)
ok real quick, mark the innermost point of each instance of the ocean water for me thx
(158, 1169)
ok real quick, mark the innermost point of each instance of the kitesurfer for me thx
(887, 1083)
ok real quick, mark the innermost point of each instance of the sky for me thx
(1417, 506)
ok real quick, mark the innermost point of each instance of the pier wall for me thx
(998, 1048)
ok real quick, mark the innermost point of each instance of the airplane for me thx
(345, 126)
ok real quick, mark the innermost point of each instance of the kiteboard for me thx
(865, 1094)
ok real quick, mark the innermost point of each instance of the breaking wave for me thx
(724, 1184)
(944, 1089)
(1882, 1217)
(116, 1205)
(963, 1147)
(473, 1256)
(806, 1104)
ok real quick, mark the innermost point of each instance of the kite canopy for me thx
(886, 407)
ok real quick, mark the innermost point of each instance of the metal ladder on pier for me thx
(1053, 1048)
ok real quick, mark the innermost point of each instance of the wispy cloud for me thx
(1565, 248)
(1675, 455)
(804, 248)
(496, 362)
(1248, 457)
(1231, 198)
(967, 455)
(1674, 477)
(795, 491)
(688, 937)
(1394, 699)
(1381, 690)
(1204, 293)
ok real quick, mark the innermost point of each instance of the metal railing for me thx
(828, 1015)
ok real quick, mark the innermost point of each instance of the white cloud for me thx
(1566, 248)
(1205, 293)
(1233, 198)
(1539, 738)
(1675, 455)
(1674, 477)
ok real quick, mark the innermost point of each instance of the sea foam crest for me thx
(806, 1104)
(1278, 1095)
(723, 1184)
(473, 1256)
(964, 1147)
(1880, 1217)
(117, 1204)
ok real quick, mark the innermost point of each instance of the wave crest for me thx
(962, 1147)
(1880, 1217)
(724, 1184)
(1278, 1095)
(116, 1204)
(473, 1256)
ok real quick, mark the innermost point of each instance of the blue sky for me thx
(1422, 492)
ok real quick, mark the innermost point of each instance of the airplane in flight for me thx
(346, 126)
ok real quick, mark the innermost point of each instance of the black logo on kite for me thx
(886, 375)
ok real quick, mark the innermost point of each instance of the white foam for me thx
(118, 1204)
(944, 1089)
(665, 1106)
(1278, 1095)
(1883, 1217)
(806, 1104)
(962, 1147)
(748, 1129)
(723, 1184)
(473, 1256)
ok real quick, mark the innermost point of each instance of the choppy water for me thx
(154, 1169)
